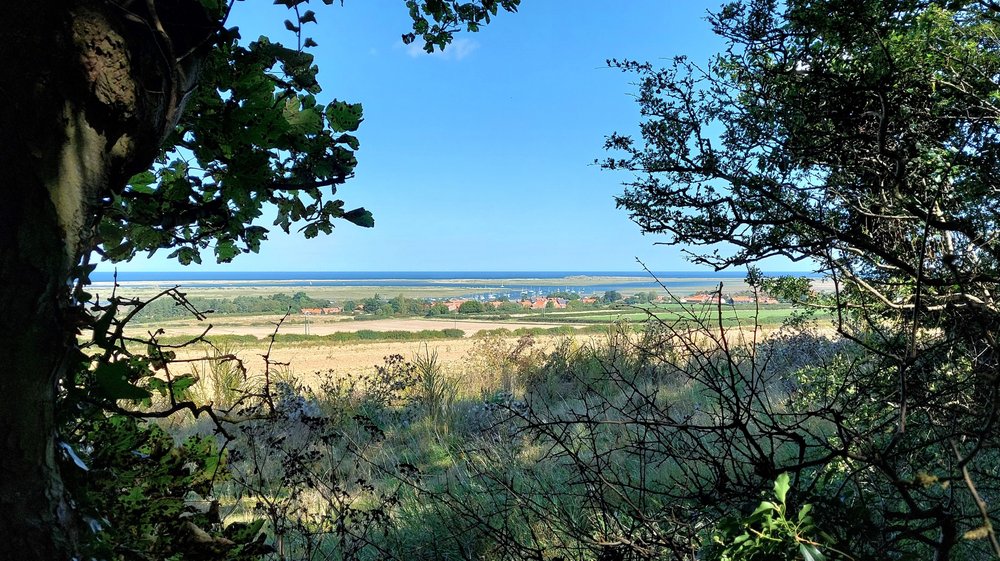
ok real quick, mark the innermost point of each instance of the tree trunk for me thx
(34, 514)
(87, 92)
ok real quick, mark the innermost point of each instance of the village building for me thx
(321, 311)
(714, 298)
(541, 303)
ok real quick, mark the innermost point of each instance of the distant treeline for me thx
(338, 337)
(376, 307)
(166, 308)
(366, 335)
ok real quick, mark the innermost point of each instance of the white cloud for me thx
(457, 50)
(462, 48)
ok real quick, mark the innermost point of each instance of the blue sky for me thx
(480, 157)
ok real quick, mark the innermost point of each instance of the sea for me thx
(509, 283)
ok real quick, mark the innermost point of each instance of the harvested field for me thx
(306, 360)
(309, 364)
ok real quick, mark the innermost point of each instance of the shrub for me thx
(222, 380)
(435, 393)
(471, 307)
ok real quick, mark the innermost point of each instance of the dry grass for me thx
(309, 363)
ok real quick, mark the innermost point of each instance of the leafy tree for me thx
(398, 304)
(217, 128)
(508, 306)
(641, 298)
(272, 304)
(471, 307)
(372, 305)
(402, 305)
(565, 295)
(862, 137)
(611, 296)
(438, 309)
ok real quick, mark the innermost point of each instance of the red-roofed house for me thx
(701, 299)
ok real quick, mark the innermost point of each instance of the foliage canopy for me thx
(861, 137)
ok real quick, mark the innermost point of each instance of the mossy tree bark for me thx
(87, 93)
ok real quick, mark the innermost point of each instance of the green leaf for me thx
(141, 182)
(343, 116)
(213, 7)
(349, 140)
(112, 382)
(186, 255)
(302, 120)
(810, 552)
(225, 250)
(781, 486)
(764, 507)
(804, 512)
(361, 217)
(243, 532)
(158, 386)
(103, 324)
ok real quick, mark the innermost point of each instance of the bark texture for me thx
(87, 92)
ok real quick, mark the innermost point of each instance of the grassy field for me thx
(334, 329)
(767, 315)
(343, 348)
(306, 346)
(444, 288)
